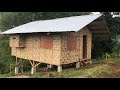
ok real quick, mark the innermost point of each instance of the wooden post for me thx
(21, 68)
(16, 70)
(59, 68)
(49, 66)
(34, 65)
(10, 69)
(16, 66)
(91, 62)
(16, 61)
(33, 70)
(78, 65)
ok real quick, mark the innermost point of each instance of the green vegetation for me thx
(89, 72)
(36, 76)
(6, 75)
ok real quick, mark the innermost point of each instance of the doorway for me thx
(84, 46)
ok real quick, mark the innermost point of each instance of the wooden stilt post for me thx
(16, 67)
(78, 65)
(16, 70)
(59, 68)
(49, 66)
(10, 68)
(91, 62)
(34, 65)
(33, 70)
(21, 68)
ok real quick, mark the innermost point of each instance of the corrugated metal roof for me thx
(66, 24)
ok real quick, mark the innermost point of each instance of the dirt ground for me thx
(20, 76)
(115, 73)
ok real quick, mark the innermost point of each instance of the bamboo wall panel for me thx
(14, 41)
(75, 55)
(70, 55)
(34, 51)
(17, 41)
(13, 51)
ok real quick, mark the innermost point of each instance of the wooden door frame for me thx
(84, 47)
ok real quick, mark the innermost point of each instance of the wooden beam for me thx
(31, 63)
(97, 23)
(94, 32)
(16, 60)
(99, 19)
(97, 27)
(107, 34)
(19, 61)
(37, 64)
(101, 36)
(103, 29)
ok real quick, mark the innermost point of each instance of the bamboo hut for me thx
(57, 41)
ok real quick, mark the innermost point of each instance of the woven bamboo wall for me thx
(75, 55)
(69, 56)
(59, 54)
(17, 41)
(33, 50)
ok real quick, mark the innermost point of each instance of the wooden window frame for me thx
(71, 42)
(47, 41)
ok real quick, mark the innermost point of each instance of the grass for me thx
(88, 72)
(6, 75)
(35, 76)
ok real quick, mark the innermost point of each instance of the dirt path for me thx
(115, 73)
(19, 76)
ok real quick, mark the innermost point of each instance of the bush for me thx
(4, 68)
(114, 55)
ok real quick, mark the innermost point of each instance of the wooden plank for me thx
(37, 64)
(99, 19)
(102, 34)
(97, 23)
(19, 61)
(103, 29)
(16, 61)
(97, 32)
(31, 63)
(98, 27)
